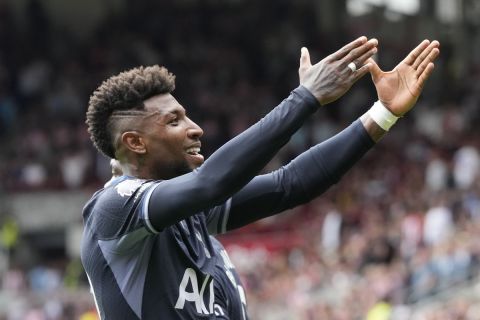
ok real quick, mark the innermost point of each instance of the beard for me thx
(182, 169)
(172, 171)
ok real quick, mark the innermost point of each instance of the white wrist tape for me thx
(382, 116)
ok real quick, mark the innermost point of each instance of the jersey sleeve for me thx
(304, 178)
(118, 215)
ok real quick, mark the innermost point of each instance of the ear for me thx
(134, 141)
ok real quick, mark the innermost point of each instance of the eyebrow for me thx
(175, 112)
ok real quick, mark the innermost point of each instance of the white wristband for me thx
(382, 116)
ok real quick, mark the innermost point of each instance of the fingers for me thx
(362, 71)
(375, 70)
(433, 54)
(358, 56)
(425, 53)
(363, 54)
(305, 64)
(305, 59)
(412, 56)
(425, 75)
(347, 48)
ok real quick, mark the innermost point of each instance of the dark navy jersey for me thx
(230, 298)
(137, 272)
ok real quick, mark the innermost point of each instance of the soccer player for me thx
(230, 300)
(146, 245)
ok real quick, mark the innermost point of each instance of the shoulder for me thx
(116, 205)
(125, 192)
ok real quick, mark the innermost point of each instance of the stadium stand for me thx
(397, 238)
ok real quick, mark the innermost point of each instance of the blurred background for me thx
(397, 238)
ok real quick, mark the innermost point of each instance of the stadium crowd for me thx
(401, 227)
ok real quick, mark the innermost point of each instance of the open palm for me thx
(400, 88)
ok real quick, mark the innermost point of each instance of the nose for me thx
(194, 131)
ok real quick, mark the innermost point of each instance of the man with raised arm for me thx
(146, 245)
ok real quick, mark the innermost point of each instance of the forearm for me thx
(306, 177)
(327, 162)
(373, 129)
(233, 165)
(240, 159)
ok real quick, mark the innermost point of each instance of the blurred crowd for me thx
(400, 228)
(45, 291)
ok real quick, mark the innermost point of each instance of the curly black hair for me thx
(124, 93)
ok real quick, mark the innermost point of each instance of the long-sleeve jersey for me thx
(146, 244)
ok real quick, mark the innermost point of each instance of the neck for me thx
(139, 168)
(136, 168)
(142, 167)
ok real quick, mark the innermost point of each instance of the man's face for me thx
(172, 139)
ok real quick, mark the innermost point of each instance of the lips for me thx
(193, 150)
(194, 155)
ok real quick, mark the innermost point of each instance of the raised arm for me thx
(238, 161)
(304, 178)
(315, 170)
